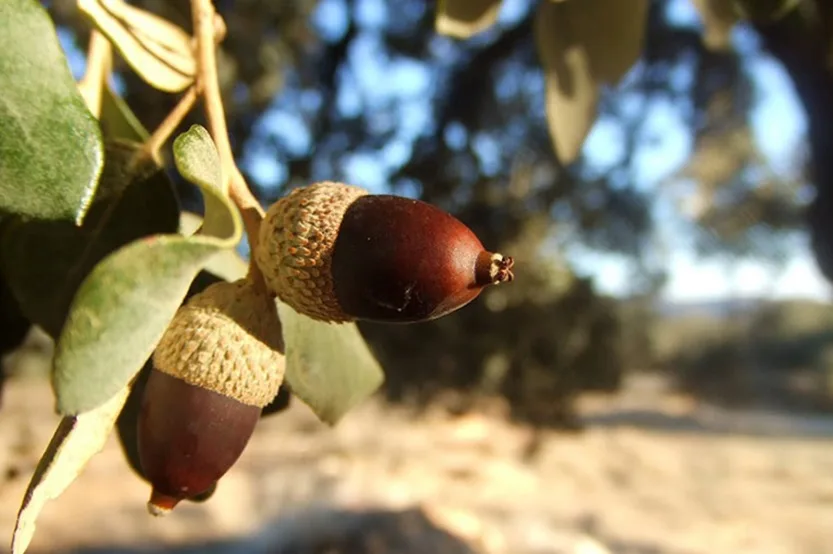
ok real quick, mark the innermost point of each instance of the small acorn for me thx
(217, 365)
(335, 253)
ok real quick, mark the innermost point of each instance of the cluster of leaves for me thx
(96, 250)
(773, 354)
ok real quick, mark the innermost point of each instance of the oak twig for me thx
(205, 27)
(153, 145)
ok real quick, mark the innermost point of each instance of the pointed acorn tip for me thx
(161, 504)
(503, 268)
(493, 269)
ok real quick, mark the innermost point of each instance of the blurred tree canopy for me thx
(331, 89)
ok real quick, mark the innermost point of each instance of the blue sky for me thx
(779, 126)
(398, 90)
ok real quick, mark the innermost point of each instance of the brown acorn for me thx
(215, 368)
(335, 253)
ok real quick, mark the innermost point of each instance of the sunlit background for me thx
(657, 380)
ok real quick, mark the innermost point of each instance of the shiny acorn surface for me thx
(188, 438)
(399, 260)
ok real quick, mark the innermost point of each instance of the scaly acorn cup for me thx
(217, 365)
(335, 253)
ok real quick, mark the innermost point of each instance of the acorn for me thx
(217, 365)
(336, 253)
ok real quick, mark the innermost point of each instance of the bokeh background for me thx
(657, 379)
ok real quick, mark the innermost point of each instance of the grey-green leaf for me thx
(46, 261)
(197, 160)
(74, 443)
(328, 366)
(119, 315)
(124, 306)
(51, 143)
(584, 44)
(612, 33)
(571, 92)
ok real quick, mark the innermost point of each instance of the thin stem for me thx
(205, 27)
(99, 56)
(153, 145)
(252, 213)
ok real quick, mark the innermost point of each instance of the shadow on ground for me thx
(325, 531)
(718, 421)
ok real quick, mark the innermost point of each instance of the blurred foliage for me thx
(765, 354)
(471, 137)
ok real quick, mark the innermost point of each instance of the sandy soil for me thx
(653, 474)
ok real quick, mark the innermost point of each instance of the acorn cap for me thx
(296, 247)
(226, 339)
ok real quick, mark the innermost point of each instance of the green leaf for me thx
(584, 44)
(611, 31)
(51, 143)
(465, 18)
(117, 119)
(46, 261)
(197, 160)
(75, 442)
(328, 366)
(124, 306)
(571, 92)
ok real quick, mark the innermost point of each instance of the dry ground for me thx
(652, 474)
